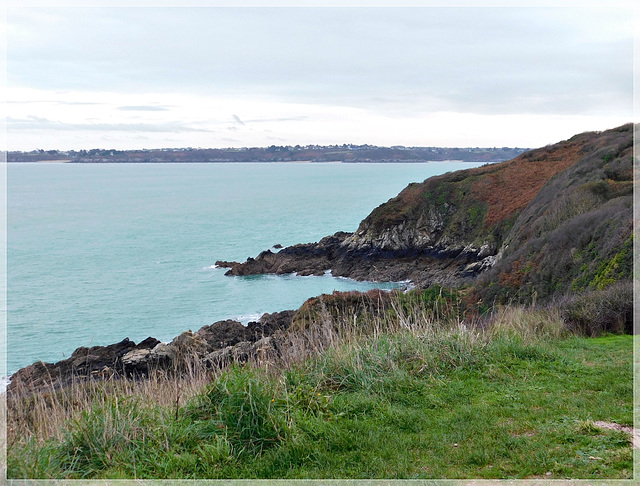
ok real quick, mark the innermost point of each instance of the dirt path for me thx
(635, 434)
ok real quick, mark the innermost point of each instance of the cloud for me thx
(284, 119)
(38, 123)
(386, 69)
(502, 60)
(60, 102)
(143, 108)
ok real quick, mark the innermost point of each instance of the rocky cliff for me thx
(452, 228)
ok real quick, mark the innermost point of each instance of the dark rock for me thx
(224, 264)
(128, 360)
(148, 343)
(37, 376)
(136, 361)
(97, 361)
(269, 324)
(264, 350)
(188, 344)
(339, 255)
(222, 334)
(86, 360)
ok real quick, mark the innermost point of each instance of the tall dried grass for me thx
(41, 415)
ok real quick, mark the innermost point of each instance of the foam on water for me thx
(247, 318)
(4, 383)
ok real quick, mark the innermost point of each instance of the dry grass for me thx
(42, 415)
(3, 436)
(510, 189)
(527, 323)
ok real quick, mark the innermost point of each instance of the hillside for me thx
(551, 219)
(576, 233)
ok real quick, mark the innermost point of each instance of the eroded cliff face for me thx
(451, 228)
(405, 235)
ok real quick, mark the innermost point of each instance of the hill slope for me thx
(577, 232)
(506, 221)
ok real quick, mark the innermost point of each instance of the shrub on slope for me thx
(576, 234)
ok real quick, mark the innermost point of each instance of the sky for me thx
(152, 77)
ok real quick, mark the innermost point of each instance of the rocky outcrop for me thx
(210, 344)
(452, 228)
(347, 255)
(229, 339)
(263, 350)
(97, 362)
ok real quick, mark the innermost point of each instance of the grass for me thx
(516, 398)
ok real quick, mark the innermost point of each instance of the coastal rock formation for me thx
(346, 255)
(266, 349)
(97, 361)
(128, 360)
(452, 228)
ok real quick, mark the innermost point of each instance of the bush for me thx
(596, 312)
(435, 303)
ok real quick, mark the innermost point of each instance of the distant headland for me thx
(347, 153)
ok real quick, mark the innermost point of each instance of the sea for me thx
(100, 252)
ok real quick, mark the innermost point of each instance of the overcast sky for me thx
(152, 77)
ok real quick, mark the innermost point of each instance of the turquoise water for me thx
(97, 253)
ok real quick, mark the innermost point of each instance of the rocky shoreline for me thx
(211, 346)
(346, 255)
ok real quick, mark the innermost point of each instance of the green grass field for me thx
(456, 403)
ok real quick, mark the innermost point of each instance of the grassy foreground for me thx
(519, 399)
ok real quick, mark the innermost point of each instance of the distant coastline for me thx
(70, 161)
(293, 154)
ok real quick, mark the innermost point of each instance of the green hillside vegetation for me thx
(577, 231)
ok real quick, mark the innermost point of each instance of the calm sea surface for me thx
(97, 253)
